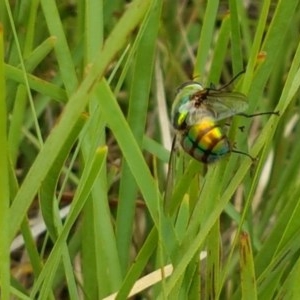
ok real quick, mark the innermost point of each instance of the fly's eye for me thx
(186, 84)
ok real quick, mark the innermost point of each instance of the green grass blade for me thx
(290, 288)
(71, 113)
(97, 219)
(61, 48)
(136, 269)
(253, 58)
(220, 51)
(97, 57)
(134, 158)
(248, 279)
(92, 170)
(278, 27)
(236, 41)
(137, 113)
(4, 183)
(48, 187)
(36, 84)
(206, 38)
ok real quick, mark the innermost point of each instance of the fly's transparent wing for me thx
(223, 105)
(216, 105)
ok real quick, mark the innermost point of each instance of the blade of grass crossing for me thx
(278, 27)
(62, 51)
(270, 280)
(248, 280)
(287, 225)
(32, 60)
(96, 214)
(36, 84)
(24, 73)
(4, 184)
(290, 89)
(246, 30)
(97, 220)
(266, 136)
(206, 37)
(220, 51)
(236, 41)
(29, 241)
(94, 28)
(48, 187)
(137, 114)
(192, 246)
(87, 180)
(132, 154)
(213, 262)
(140, 262)
(259, 33)
(291, 289)
(72, 111)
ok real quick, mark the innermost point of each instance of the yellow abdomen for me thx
(205, 141)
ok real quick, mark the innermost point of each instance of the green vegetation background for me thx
(86, 89)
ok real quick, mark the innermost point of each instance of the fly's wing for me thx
(223, 105)
(218, 105)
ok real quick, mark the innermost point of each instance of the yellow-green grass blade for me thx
(4, 183)
(248, 280)
(206, 37)
(136, 118)
(87, 180)
(236, 40)
(63, 54)
(37, 84)
(132, 153)
(240, 173)
(96, 212)
(48, 196)
(71, 113)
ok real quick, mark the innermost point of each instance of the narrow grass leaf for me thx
(277, 29)
(4, 183)
(206, 37)
(33, 59)
(96, 214)
(137, 113)
(49, 184)
(89, 175)
(248, 280)
(212, 282)
(220, 51)
(290, 289)
(36, 84)
(252, 60)
(62, 51)
(156, 149)
(72, 111)
(137, 268)
(236, 41)
(132, 153)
